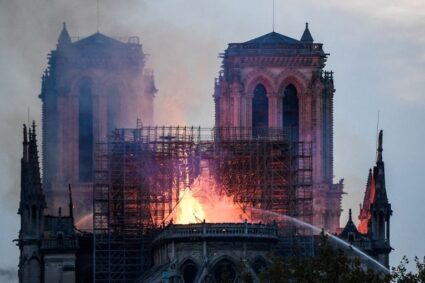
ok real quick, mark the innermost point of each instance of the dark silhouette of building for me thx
(373, 232)
(47, 243)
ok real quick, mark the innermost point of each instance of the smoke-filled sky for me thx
(377, 53)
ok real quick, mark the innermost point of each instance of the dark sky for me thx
(377, 53)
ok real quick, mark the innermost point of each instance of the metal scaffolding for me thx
(140, 172)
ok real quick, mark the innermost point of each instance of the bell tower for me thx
(277, 83)
(91, 87)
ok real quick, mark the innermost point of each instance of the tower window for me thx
(290, 111)
(85, 132)
(260, 111)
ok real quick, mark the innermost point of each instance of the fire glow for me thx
(203, 202)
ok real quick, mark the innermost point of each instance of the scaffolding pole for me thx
(139, 174)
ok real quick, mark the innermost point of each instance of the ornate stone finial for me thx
(350, 215)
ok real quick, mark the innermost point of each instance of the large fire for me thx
(203, 202)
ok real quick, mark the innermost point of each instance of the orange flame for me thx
(203, 202)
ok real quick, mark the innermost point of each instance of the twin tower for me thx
(97, 84)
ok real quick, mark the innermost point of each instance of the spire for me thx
(71, 205)
(25, 134)
(369, 198)
(25, 144)
(31, 187)
(306, 37)
(64, 38)
(34, 164)
(380, 138)
(350, 216)
(379, 173)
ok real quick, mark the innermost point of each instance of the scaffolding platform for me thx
(139, 174)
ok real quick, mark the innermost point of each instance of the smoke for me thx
(384, 69)
(8, 275)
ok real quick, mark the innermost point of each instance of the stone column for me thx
(236, 113)
(279, 110)
(243, 111)
(273, 110)
(248, 110)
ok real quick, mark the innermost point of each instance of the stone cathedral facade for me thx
(97, 84)
(91, 87)
(277, 82)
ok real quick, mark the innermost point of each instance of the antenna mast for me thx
(273, 15)
(97, 16)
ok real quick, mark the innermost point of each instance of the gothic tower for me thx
(372, 235)
(275, 82)
(31, 211)
(90, 87)
(376, 212)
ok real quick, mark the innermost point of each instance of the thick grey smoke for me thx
(7, 275)
(377, 52)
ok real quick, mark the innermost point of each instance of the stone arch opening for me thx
(224, 271)
(189, 271)
(290, 111)
(85, 129)
(260, 110)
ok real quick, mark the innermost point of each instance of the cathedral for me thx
(119, 176)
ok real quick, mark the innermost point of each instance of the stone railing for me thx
(218, 231)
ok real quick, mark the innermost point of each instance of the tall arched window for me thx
(85, 122)
(260, 111)
(290, 111)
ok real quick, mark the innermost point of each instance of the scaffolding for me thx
(139, 174)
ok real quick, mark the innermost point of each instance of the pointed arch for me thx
(294, 77)
(254, 78)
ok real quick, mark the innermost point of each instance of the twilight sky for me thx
(377, 53)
